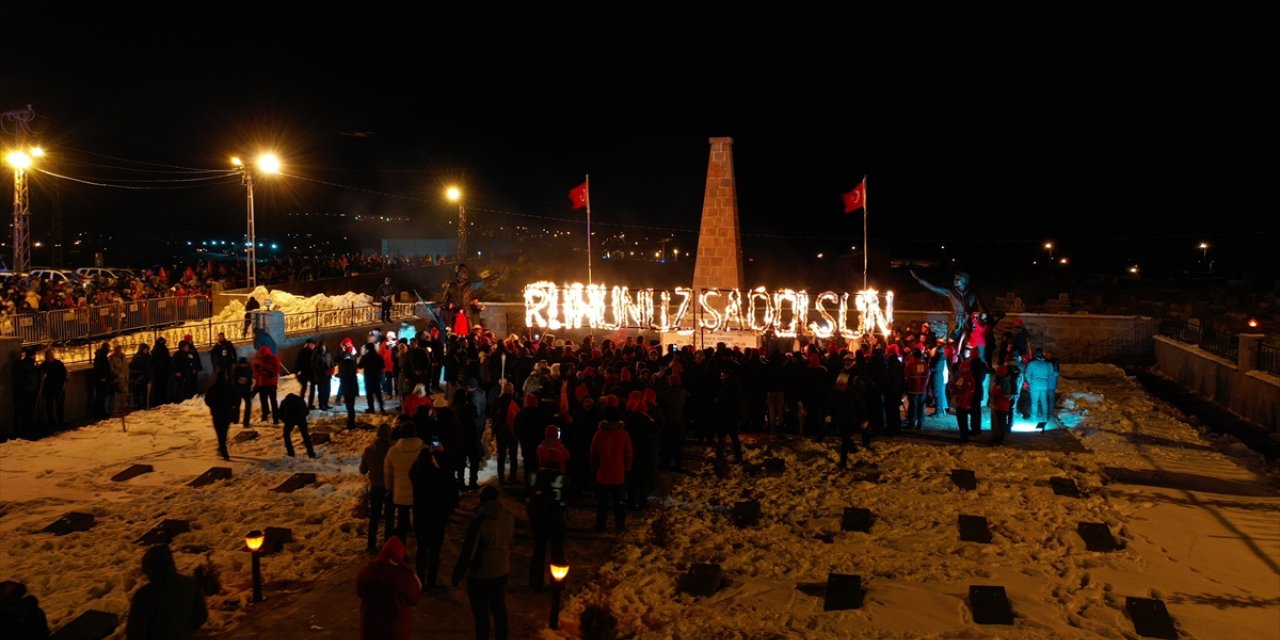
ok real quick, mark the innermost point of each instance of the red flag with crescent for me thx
(578, 196)
(855, 199)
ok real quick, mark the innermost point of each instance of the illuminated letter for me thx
(664, 318)
(711, 319)
(824, 331)
(733, 311)
(843, 326)
(787, 330)
(685, 294)
(538, 297)
(759, 294)
(596, 295)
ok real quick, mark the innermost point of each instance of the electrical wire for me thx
(130, 187)
(152, 164)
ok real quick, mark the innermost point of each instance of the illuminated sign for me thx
(785, 312)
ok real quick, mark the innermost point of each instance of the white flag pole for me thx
(588, 199)
(865, 248)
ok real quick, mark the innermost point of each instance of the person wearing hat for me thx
(485, 561)
(387, 588)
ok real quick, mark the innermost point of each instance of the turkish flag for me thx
(578, 196)
(855, 199)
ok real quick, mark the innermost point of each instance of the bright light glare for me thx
(559, 571)
(254, 540)
(269, 163)
(453, 194)
(37, 152)
(18, 160)
(235, 161)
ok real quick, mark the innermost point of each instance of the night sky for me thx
(1120, 137)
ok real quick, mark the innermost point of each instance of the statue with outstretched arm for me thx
(964, 303)
(456, 305)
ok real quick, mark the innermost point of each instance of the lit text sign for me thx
(785, 312)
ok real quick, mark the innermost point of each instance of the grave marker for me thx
(1150, 618)
(1097, 536)
(990, 605)
(70, 522)
(212, 475)
(746, 514)
(844, 591)
(1064, 487)
(133, 471)
(295, 482)
(164, 532)
(703, 579)
(856, 519)
(974, 529)
(965, 479)
(90, 625)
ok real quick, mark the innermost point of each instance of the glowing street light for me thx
(1133, 270)
(21, 161)
(454, 194)
(559, 570)
(1048, 246)
(253, 540)
(1062, 261)
(1204, 249)
(268, 163)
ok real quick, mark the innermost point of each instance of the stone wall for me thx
(1254, 395)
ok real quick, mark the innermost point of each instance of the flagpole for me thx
(865, 248)
(588, 198)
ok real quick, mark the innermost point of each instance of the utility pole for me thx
(20, 119)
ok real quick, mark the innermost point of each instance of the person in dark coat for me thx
(103, 385)
(381, 508)
(529, 430)
(242, 381)
(486, 561)
(372, 364)
(249, 307)
(435, 496)
(293, 411)
(140, 376)
(54, 385)
(546, 505)
(321, 366)
(730, 405)
(20, 614)
(223, 403)
(170, 605)
(222, 356)
(349, 386)
(186, 367)
(26, 386)
(387, 589)
(161, 372)
(302, 371)
(849, 408)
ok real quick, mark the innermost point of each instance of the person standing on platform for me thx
(386, 293)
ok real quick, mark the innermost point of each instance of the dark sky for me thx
(1137, 134)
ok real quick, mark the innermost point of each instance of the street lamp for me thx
(558, 573)
(268, 163)
(1048, 246)
(454, 194)
(253, 540)
(1204, 250)
(21, 161)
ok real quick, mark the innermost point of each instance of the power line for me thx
(225, 180)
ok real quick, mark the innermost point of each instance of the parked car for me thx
(56, 276)
(114, 273)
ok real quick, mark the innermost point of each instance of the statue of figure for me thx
(459, 308)
(966, 308)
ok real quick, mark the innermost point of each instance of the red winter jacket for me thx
(917, 375)
(611, 453)
(962, 388)
(387, 588)
(266, 368)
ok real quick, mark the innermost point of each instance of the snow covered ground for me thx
(290, 303)
(99, 568)
(1198, 515)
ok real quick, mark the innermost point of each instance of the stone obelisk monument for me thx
(719, 261)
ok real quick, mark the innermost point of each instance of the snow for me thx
(1198, 514)
(100, 568)
(290, 303)
(1206, 540)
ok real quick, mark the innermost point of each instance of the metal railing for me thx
(310, 321)
(1125, 346)
(66, 325)
(1180, 330)
(1268, 359)
(1221, 343)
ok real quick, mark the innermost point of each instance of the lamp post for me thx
(454, 194)
(253, 540)
(1204, 250)
(21, 161)
(267, 163)
(558, 573)
(1048, 246)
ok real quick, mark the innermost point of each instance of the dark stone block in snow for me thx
(321, 438)
(1097, 536)
(990, 605)
(746, 514)
(1065, 487)
(702, 580)
(164, 533)
(133, 471)
(843, 592)
(295, 482)
(274, 539)
(856, 519)
(974, 529)
(965, 479)
(1150, 618)
(769, 467)
(211, 476)
(70, 522)
(90, 625)
(245, 436)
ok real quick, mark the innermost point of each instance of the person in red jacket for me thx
(916, 372)
(611, 456)
(266, 377)
(387, 588)
(963, 393)
(552, 454)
